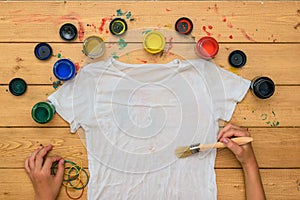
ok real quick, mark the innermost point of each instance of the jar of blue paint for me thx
(64, 69)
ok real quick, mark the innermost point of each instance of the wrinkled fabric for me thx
(135, 115)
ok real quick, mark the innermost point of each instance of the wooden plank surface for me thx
(277, 61)
(250, 112)
(278, 183)
(244, 21)
(274, 147)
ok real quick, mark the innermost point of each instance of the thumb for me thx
(235, 148)
(60, 171)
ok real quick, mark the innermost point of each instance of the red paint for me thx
(80, 31)
(170, 44)
(103, 21)
(224, 19)
(247, 36)
(107, 31)
(207, 47)
(77, 66)
(229, 25)
(210, 27)
(143, 61)
(219, 35)
(230, 37)
(204, 29)
(168, 10)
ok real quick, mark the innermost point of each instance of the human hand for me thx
(46, 185)
(243, 153)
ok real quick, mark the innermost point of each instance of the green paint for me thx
(119, 12)
(114, 55)
(128, 15)
(252, 111)
(273, 113)
(59, 55)
(264, 116)
(146, 31)
(56, 84)
(122, 44)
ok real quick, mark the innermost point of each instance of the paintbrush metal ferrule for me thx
(194, 148)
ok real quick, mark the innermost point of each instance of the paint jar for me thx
(43, 112)
(154, 42)
(93, 47)
(43, 51)
(118, 26)
(207, 47)
(68, 32)
(64, 69)
(262, 87)
(184, 26)
(17, 86)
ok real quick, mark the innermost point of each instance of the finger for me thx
(41, 154)
(27, 168)
(235, 148)
(235, 133)
(32, 158)
(60, 171)
(229, 127)
(48, 163)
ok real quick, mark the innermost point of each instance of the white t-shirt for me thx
(135, 115)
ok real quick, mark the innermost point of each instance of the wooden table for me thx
(268, 32)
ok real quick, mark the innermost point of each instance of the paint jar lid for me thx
(154, 42)
(43, 51)
(184, 25)
(68, 32)
(42, 112)
(64, 69)
(207, 47)
(263, 87)
(93, 47)
(237, 59)
(118, 26)
(17, 86)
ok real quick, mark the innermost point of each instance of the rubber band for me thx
(84, 185)
(75, 198)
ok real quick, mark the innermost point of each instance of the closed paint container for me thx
(43, 112)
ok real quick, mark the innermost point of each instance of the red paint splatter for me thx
(106, 31)
(143, 61)
(103, 21)
(204, 29)
(247, 36)
(80, 31)
(229, 25)
(224, 19)
(170, 44)
(77, 66)
(210, 27)
(216, 8)
(219, 35)
(168, 10)
(230, 37)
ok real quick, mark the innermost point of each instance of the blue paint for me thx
(64, 69)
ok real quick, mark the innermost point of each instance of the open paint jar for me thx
(43, 112)
(64, 69)
(262, 87)
(207, 47)
(93, 47)
(154, 42)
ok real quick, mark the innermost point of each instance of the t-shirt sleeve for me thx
(69, 103)
(226, 88)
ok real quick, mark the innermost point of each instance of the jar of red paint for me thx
(207, 47)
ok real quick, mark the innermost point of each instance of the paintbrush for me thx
(182, 152)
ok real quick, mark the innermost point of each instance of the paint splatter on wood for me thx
(224, 19)
(205, 30)
(230, 37)
(246, 35)
(103, 22)
(114, 55)
(122, 43)
(216, 9)
(141, 60)
(229, 25)
(168, 10)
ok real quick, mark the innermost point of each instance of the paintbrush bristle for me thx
(182, 152)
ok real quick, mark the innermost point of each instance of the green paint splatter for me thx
(273, 113)
(122, 44)
(56, 84)
(146, 31)
(58, 55)
(119, 12)
(264, 116)
(128, 15)
(114, 55)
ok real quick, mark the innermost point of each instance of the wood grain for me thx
(277, 61)
(245, 21)
(278, 184)
(274, 147)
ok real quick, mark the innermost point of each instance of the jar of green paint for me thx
(43, 112)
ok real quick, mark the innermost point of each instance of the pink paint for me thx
(219, 35)
(247, 36)
(204, 29)
(230, 37)
(229, 25)
(143, 61)
(168, 10)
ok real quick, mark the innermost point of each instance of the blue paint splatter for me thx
(114, 55)
(128, 15)
(56, 84)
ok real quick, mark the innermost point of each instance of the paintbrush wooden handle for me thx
(238, 140)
